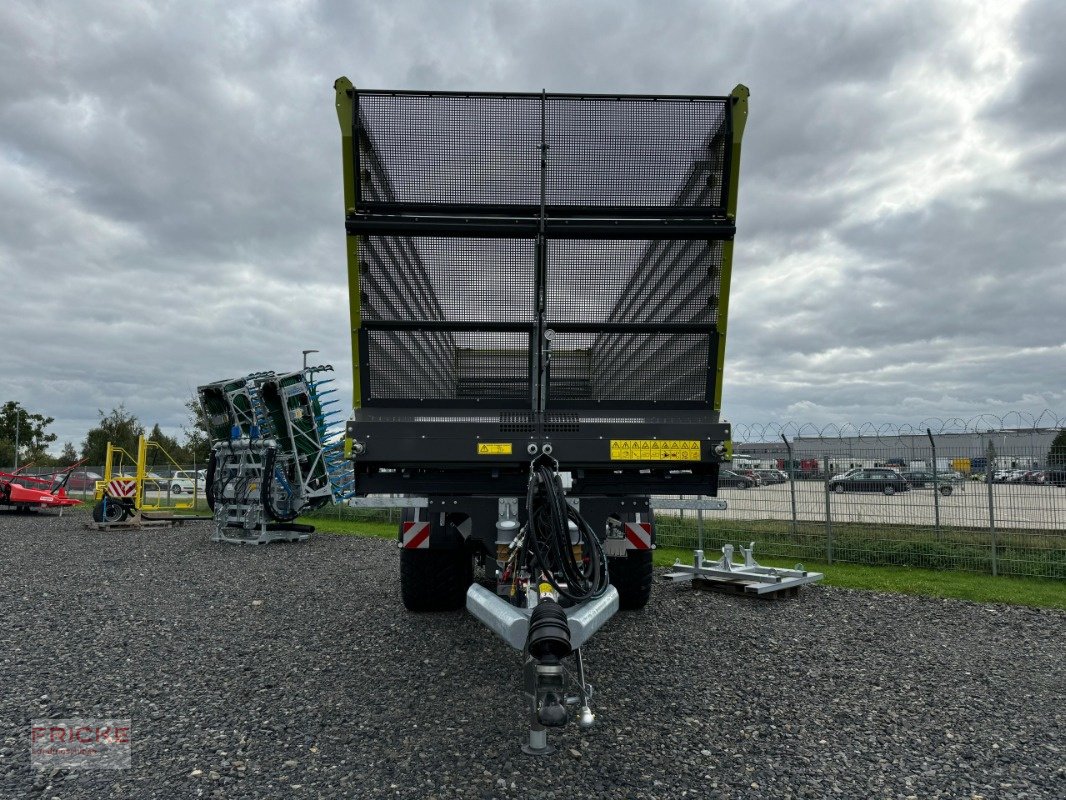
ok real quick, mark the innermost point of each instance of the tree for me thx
(33, 439)
(170, 445)
(69, 455)
(120, 428)
(197, 438)
(1056, 454)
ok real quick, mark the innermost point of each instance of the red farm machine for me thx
(25, 492)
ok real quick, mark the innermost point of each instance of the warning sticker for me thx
(494, 448)
(655, 450)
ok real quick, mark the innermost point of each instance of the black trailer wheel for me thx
(436, 579)
(945, 490)
(109, 511)
(631, 575)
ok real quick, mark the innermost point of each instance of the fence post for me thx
(828, 513)
(699, 527)
(990, 455)
(936, 483)
(791, 481)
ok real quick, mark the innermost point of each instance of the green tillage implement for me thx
(275, 453)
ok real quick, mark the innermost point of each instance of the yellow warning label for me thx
(494, 448)
(655, 450)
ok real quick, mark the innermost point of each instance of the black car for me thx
(768, 476)
(887, 481)
(1055, 477)
(732, 480)
(923, 480)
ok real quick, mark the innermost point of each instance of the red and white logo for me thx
(80, 743)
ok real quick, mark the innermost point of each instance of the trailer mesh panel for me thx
(634, 281)
(650, 367)
(446, 156)
(450, 148)
(485, 150)
(423, 278)
(633, 151)
(423, 365)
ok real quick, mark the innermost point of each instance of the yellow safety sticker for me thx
(494, 448)
(655, 450)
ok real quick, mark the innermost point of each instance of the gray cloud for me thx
(171, 188)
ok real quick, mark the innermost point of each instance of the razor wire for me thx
(1013, 423)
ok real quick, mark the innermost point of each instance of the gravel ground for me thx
(293, 671)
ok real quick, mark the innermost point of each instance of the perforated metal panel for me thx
(631, 367)
(453, 208)
(450, 148)
(410, 278)
(485, 150)
(430, 366)
(633, 281)
(635, 151)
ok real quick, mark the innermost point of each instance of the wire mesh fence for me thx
(956, 496)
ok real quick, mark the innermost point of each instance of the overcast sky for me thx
(170, 188)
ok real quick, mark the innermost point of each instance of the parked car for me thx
(729, 479)
(887, 481)
(83, 481)
(750, 473)
(768, 476)
(920, 479)
(187, 482)
(1055, 477)
(848, 473)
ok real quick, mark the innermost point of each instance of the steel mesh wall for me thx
(634, 281)
(658, 367)
(421, 365)
(436, 172)
(451, 148)
(493, 365)
(633, 151)
(446, 278)
(486, 149)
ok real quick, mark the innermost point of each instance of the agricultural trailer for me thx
(539, 289)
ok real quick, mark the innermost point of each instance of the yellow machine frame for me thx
(115, 468)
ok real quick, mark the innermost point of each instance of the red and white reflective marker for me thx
(416, 535)
(122, 487)
(638, 536)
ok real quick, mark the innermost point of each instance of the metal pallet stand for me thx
(749, 576)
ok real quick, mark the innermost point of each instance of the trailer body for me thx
(533, 275)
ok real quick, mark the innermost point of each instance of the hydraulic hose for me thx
(267, 489)
(209, 479)
(548, 540)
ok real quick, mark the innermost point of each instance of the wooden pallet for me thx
(139, 522)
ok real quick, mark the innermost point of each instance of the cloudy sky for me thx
(171, 195)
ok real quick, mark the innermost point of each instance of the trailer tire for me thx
(435, 579)
(113, 512)
(631, 575)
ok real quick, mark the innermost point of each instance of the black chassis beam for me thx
(446, 515)
(417, 451)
